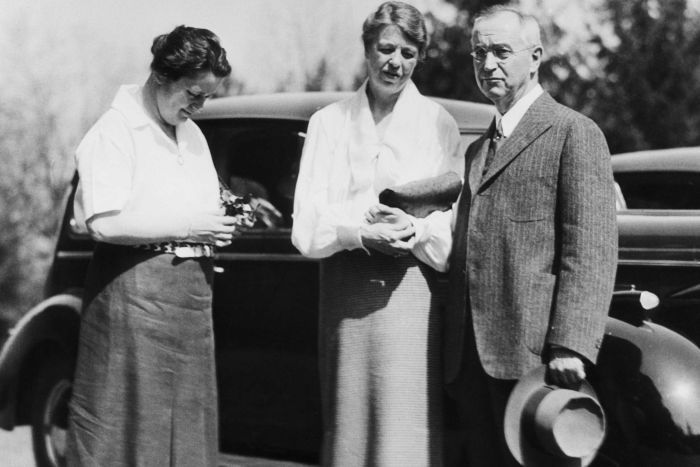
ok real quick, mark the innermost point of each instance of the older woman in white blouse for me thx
(379, 328)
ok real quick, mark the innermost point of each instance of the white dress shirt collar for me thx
(510, 119)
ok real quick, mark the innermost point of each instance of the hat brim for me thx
(522, 449)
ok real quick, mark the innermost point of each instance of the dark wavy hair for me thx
(187, 51)
(403, 15)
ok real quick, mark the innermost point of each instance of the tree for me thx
(649, 95)
(630, 65)
(51, 95)
(447, 69)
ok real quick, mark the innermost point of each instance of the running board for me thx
(228, 460)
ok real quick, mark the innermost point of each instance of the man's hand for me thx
(565, 368)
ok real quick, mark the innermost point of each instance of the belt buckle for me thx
(193, 251)
(184, 251)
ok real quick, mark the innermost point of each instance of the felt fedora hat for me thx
(546, 425)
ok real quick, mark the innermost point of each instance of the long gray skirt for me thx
(380, 362)
(145, 383)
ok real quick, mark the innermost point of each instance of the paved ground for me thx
(16, 451)
(16, 448)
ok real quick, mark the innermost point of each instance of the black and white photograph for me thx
(350, 233)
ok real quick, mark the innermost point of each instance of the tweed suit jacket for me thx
(535, 246)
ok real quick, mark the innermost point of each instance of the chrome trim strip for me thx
(288, 257)
(74, 254)
(658, 262)
(689, 291)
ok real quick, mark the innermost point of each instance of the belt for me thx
(180, 249)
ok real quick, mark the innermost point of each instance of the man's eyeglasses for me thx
(500, 53)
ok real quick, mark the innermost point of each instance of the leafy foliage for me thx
(635, 73)
(650, 94)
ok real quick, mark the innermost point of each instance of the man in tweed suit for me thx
(534, 247)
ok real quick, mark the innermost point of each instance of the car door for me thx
(265, 300)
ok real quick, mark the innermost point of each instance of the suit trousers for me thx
(474, 410)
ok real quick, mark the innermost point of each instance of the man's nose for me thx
(490, 62)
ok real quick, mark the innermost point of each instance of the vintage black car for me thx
(265, 317)
(659, 222)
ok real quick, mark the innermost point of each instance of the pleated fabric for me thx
(380, 366)
(145, 385)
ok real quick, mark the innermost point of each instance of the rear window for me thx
(660, 190)
(260, 158)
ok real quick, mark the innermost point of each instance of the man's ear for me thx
(536, 58)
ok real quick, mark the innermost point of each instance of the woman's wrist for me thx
(350, 237)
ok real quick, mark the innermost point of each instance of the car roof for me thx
(658, 160)
(301, 105)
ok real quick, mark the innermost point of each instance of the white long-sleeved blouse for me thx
(346, 162)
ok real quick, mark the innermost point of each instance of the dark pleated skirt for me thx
(380, 361)
(145, 384)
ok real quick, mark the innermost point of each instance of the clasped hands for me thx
(388, 230)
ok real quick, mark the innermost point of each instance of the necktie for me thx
(494, 141)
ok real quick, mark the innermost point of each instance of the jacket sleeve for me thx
(586, 224)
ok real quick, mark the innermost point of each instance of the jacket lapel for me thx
(536, 121)
(474, 160)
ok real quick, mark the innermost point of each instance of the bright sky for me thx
(69, 56)
(268, 41)
(62, 61)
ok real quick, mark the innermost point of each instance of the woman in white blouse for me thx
(145, 389)
(379, 326)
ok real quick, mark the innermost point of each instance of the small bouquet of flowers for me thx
(238, 207)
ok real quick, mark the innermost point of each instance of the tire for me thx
(49, 412)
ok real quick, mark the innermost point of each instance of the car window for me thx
(660, 190)
(259, 158)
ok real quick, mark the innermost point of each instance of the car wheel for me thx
(49, 416)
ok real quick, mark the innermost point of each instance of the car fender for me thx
(52, 324)
(648, 380)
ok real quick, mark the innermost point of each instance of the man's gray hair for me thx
(530, 27)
